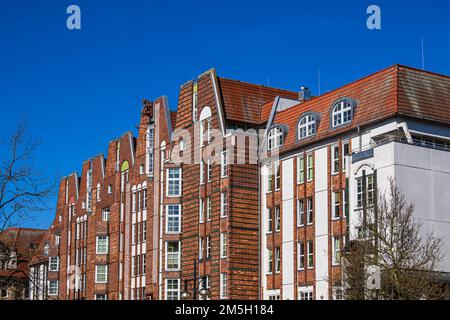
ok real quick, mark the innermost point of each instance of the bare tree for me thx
(392, 241)
(23, 189)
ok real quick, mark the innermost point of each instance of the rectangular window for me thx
(200, 248)
(134, 202)
(270, 261)
(105, 214)
(209, 131)
(173, 223)
(101, 297)
(53, 288)
(335, 204)
(277, 176)
(109, 189)
(310, 255)
(144, 231)
(101, 273)
(208, 247)
(269, 178)
(305, 293)
(300, 212)
(201, 216)
(173, 255)
(223, 245)
(174, 182)
(102, 244)
(224, 204)
(53, 264)
(336, 250)
(202, 172)
(277, 260)
(335, 159)
(208, 208)
(144, 260)
(345, 156)
(310, 168)
(144, 199)
(310, 208)
(224, 164)
(370, 191)
(300, 170)
(223, 285)
(172, 289)
(277, 219)
(301, 256)
(269, 220)
(209, 170)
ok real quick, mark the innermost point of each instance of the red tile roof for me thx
(397, 90)
(243, 101)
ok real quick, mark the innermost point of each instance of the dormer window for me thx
(307, 126)
(276, 138)
(342, 112)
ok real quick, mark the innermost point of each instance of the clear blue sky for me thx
(80, 89)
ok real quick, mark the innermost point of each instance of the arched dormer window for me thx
(275, 138)
(307, 126)
(342, 112)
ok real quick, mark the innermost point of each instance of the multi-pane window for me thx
(223, 285)
(370, 191)
(342, 113)
(301, 256)
(300, 212)
(336, 247)
(335, 204)
(208, 247)
(300, 170)
(201, 210)
(310, 255)
(201, 241)
(224, 204)
(310, 167)
(209, 170)
(209, 130)
(277, 219)
(335, 159)
(57, 239)
(53, 287)
(98, 192)
(224, 164)
(134, 202)
(208, 208)
(143, 259)
(173, 223)
(53, 264)
(345, 155)
(102, 297)
(172, 289)
(173, 255)
(173, 182)
(269, 220)
(275, 139)
(223, 245)
(202, 172)
(144, 199)
(277, 259)
(102, 244)
(310, 211)
(305, 294)
(105, 214)
(101, 273)
(270, 260)
(306, 126)
(277, 176)
(269, 178)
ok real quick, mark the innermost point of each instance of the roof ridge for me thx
(423, 71)
(256, 84)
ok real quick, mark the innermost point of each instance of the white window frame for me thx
(202, 172)
(209, 170)
(277, 219)
(208, 208)
(171, 290)
(306, 126)
(223, 285)
(275, 138)
(50, 292)
(53, 264)
(224, 204)
(342, 113)
(335, 205)
(310, 211)
(98, 245)
(106, 214)
(269, 220)
(170, 180)
(98, 274)
(224, 164)
(175, 254)
(170, 215)
(277, 175)
(310, 253)
(97, 297)
(301, 256)
(300, 169)
(336, 250)
(309, 168)
(270, 261)
(335, 165)
(223, 245)
(201, 215)
(200, 248)
(277, 267)
(306, 293)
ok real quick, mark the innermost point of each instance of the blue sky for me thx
(80, 89)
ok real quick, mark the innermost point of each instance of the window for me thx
(173, 255)
(101, 273)
(345, 155)
(208, 208)
(277, 219)
(105, 214)
(102, 297)
(305, 293)
(109, 189)
(57, 239)
(134, 202)
(144, 199)
(208, 247)
(277, 176)
(338, 293)
(335, 204)
(224, 204)
(277, 259)
(223, 285)
(173, 182)
(335, 159)
(144, 260)
(310, 208)
(275, 138)
(310, 167)
(224, 164)
(173, 223)
(370, 191)
(301, 256)
(60, 218)
(269, 220)
(300, 170)
(336, 250)
(200, 248)
(274, 297)
(209, 170)
(202, 172)
(269, 178)
(342, 113)
(102, 244)
(223, 245)
(53, 264)
(209, 130)
(53, 287)
(98, 192)
(270, 261)
(172, 289)
(310, 255)
(306, 127)
(300, 213)
(46, 248)
(201, 216)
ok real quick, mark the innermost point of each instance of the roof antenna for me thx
(318, 82)
(268, 82)
(423, 55)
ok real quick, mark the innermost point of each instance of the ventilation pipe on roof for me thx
(304, 94)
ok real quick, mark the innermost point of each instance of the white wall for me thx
(288, 284)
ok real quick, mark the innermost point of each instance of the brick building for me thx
(251, 186)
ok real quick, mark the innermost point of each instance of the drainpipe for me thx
(405, 128)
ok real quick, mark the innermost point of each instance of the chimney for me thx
(304, 94)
